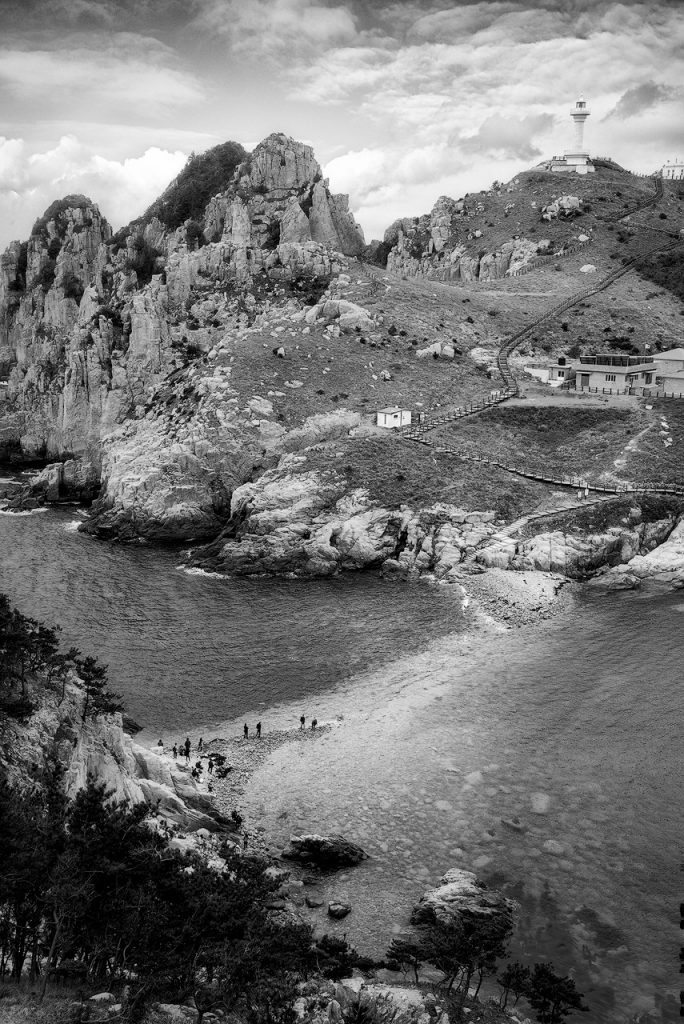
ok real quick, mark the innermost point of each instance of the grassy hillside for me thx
(397, 472)
(666, 270)
(551, 439)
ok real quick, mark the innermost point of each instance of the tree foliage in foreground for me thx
(90, 881)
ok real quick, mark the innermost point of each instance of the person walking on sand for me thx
(175, 751)
(187, 746)
(160, 747)
(210, 766)
(199, 745)
(302, 722)
(314, 723)
(258, 728)
(245, 729)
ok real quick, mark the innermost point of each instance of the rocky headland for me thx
(209, 373)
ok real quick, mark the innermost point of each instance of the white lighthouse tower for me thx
(576, 159)
(579, 114)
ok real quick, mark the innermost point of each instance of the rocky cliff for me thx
(296, 520)
(107, 340)
(579, 555)
(443, 246)
(100, 748)
(487, 235)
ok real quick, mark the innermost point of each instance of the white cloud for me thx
(276, 26)
(102, 74)
(122, 189)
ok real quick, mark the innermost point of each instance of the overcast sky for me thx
(402, 100)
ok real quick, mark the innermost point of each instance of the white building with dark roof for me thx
(609, 372)
(393, 416)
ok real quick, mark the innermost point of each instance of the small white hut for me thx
(394, 417)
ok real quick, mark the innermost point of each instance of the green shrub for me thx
(203, 176)
(73, 287)
(142, 259)
(55, 210)
(309, 287)
(666, 270)
(46, 276)
(194, 235)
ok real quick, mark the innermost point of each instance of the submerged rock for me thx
(339, 909)
(325, 851)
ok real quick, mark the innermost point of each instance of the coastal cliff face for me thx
(99, 748)
(107, 341)
(296, 520)
(578, 555)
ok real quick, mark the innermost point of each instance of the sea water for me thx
(188, 648)
(573, 730)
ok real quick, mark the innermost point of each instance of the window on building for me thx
(561, 373)
(610, 377)
(658, 381)
(649, 378)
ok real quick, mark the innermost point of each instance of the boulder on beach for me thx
(339, 909)
(333, 851)
(461, 898)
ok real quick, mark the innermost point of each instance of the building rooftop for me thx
(672, 353)
(610, 359)
(393, 409)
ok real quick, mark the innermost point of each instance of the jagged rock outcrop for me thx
(462, 900)
(576, 554)
(100, 748)
(302, 521)
(564, 207)
(279, 195)
(93, 325)
(435, 246)
(663, 563)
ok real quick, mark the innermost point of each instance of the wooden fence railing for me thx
(675, 487)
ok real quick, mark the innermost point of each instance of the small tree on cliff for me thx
(514, 980)
(551, 996)
(97, 699)
(406, 953)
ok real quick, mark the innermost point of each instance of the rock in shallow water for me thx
(540, 803)
(462, 897)
(330, 851)
(338, 909)
(554, 848)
